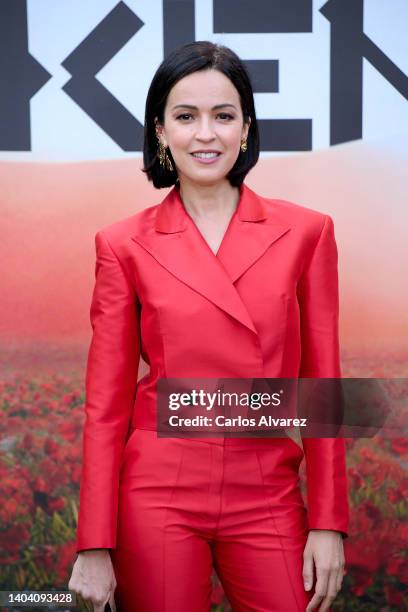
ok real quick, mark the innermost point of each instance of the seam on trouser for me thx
(164, 608)
(217, 523)
(277, 532)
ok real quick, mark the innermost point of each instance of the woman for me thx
(215, 281)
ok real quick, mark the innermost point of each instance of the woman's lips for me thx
(206, 160)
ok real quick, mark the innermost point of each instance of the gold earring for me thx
(244, 145)
(164, 159)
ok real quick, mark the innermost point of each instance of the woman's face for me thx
(203, 113)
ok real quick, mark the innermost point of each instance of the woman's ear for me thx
(159, 132)
(247, 124)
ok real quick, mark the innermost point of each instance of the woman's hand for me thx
(94, 579)
(324, 547)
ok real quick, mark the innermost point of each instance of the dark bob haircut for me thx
(189, 58)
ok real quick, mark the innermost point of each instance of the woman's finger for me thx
(340, 576)
(331, 591)
(307, 572)
(112, 602)
(320, 589)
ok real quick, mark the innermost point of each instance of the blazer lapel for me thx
(252, 230)
(177, 244)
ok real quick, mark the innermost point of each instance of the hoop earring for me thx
(244, 145)
(164, 159)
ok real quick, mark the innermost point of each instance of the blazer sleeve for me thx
(318, 296)
(111, 379)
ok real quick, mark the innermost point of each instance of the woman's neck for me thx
(209, 201)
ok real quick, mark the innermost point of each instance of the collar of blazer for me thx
(176, 243)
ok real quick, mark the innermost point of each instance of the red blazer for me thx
(265, 306)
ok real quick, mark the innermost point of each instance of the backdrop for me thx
(331, 90)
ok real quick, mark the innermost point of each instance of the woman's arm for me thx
(318, 296)
(327, 491)
(111, 380)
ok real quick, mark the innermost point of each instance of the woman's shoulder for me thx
(306, 219)
(119, 232)
(293, 210)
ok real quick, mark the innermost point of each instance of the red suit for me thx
(265, 306)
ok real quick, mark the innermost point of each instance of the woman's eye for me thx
(221, 115)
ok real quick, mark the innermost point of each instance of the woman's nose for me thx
(205, 130)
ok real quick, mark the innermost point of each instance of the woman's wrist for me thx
(97, 551)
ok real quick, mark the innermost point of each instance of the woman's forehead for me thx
(202, 88)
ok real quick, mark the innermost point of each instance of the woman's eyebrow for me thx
(196, 108)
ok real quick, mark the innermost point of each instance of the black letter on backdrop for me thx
(178, 24)
(21, 76)
(272, 16)
(94, 52)
(349, 45)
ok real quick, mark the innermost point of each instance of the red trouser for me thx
(186, 506)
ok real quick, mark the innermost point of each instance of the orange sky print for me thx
(51, 213)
